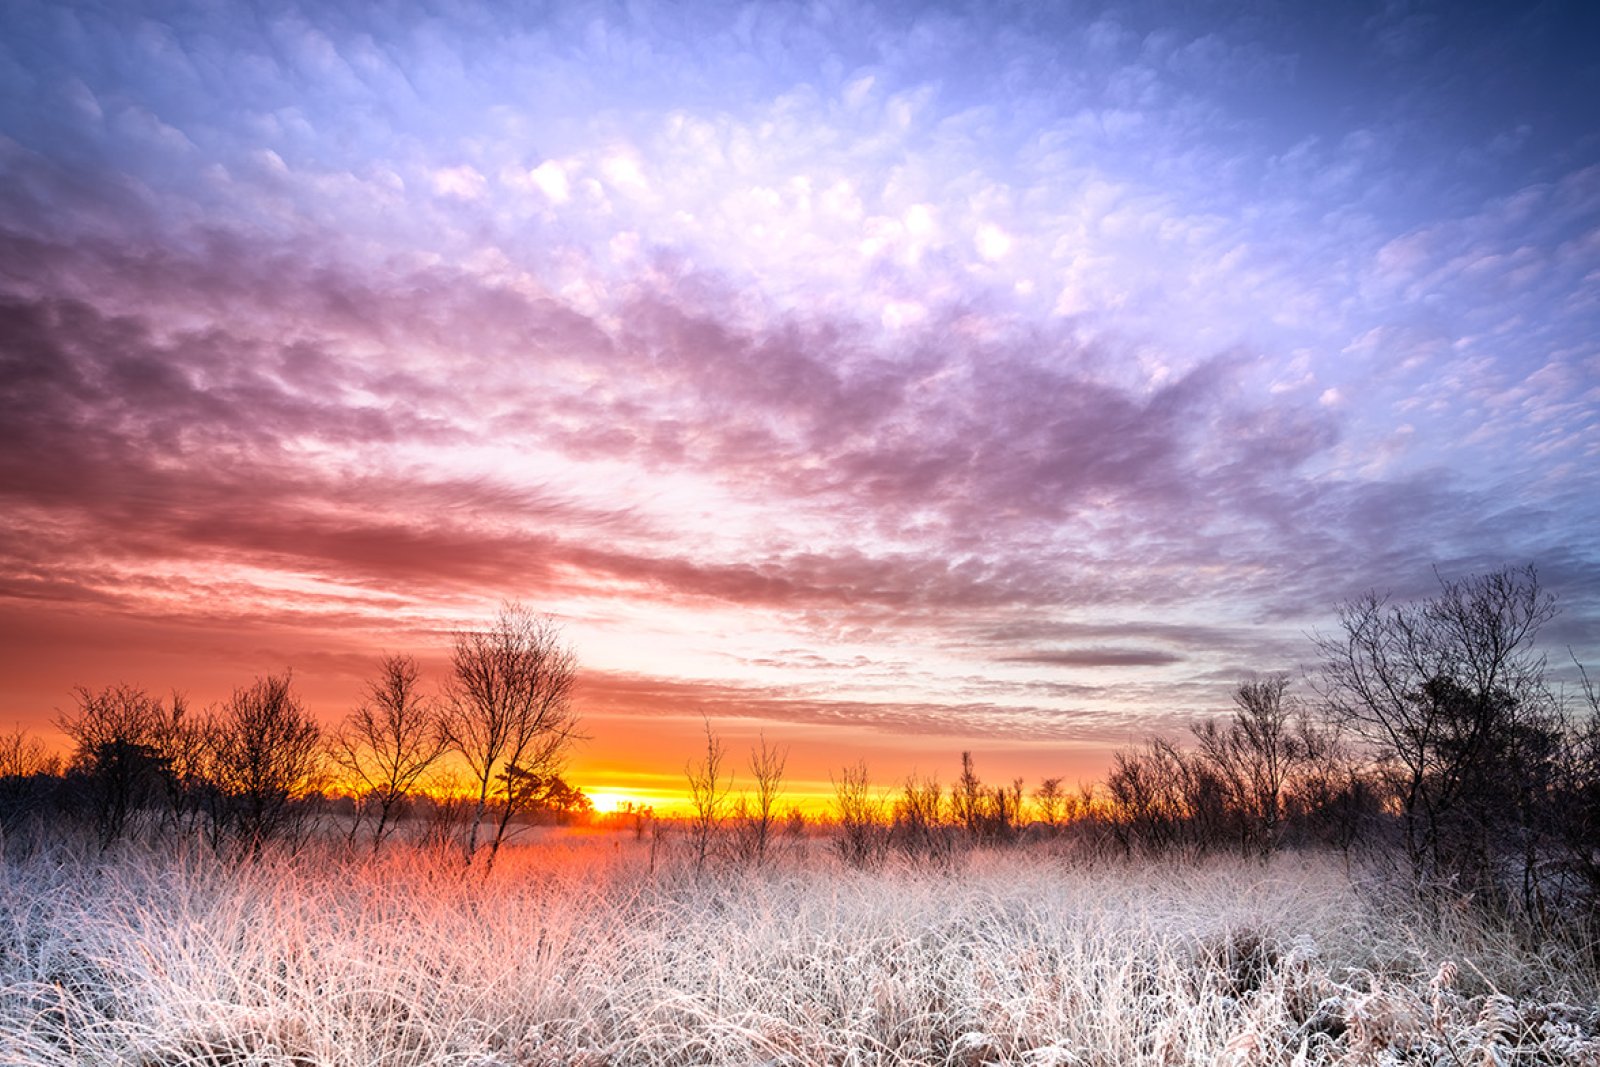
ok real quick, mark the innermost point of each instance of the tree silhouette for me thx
(708, 794)
(266, 754)
(766, 767)
(1449, 695)
(389, 742)
(1255, 756)
(115, 764)
(508, 705)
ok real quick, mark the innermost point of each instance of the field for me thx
(575, 951)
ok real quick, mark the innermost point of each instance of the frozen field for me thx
(574, 952)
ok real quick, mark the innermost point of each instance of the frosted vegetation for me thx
(606, 949)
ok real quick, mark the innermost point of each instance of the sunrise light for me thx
(890, 381)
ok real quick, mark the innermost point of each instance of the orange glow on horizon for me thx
(640, 735)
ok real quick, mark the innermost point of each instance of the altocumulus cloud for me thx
(1027, 353)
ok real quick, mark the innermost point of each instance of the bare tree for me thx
(183, 742)
(1146, 799)
(445, 809)
(1255, 756)
(766, 768)
(708, 794)
(24, 756)
(115, 762)
(267, 755)
(918, 828)
(1579, 787)
(28, 773)
(1052, 801)
(508, 712)
(862, 836)
(1449, 694)
(1331, 795)
(991, 814)
(1008, 809)
(389, 742)
(1269, 751)
(966, 797)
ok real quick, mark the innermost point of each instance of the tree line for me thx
(1427, 737)
(1431, 743)
(1433, 740)
(251, 771)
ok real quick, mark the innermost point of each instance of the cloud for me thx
(610, 693)
(462, 182)
(1026, 435)
(1097, 657)
(1088, 354)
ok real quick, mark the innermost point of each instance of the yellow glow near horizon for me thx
(606, 801)
(812, 800)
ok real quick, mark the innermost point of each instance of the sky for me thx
(889, 380)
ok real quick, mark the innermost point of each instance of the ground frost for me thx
(580, 954)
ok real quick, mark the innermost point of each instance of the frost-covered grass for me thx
(576, 953)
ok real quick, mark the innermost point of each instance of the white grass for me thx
(573, 953)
